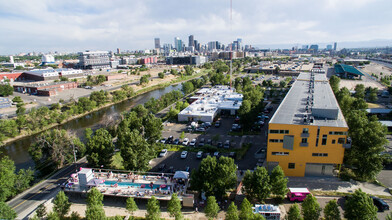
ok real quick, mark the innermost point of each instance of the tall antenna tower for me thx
(231, 47)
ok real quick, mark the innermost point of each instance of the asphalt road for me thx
(28, 201)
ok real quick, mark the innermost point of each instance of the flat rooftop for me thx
(209, 100)
(310, 101)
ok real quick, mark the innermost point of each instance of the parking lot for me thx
(173, 161)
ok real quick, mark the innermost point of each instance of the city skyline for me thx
(85, 25)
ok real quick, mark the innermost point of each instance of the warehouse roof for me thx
(310, 101)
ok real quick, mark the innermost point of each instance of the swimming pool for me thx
(134, 185)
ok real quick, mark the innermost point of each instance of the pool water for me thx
(134, 185)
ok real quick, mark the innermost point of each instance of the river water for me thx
(18, 150)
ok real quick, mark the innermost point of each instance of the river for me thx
(18, 150)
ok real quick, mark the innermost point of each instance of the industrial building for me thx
(183, 60)
(94, 60)
(307, 135)
(347, 71)
(45, 89)
(209, 102)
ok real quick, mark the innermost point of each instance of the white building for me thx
(211, 101)
(67, 72)
(47, 59)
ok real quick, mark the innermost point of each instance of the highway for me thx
(25, 203)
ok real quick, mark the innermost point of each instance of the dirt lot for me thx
(377, 69)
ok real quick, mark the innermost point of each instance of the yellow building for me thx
(307, 135)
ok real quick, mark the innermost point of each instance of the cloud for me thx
(45, 25)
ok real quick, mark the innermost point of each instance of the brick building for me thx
(45, 89)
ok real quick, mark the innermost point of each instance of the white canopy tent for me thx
(181, 175)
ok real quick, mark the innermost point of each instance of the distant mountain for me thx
(341, 45)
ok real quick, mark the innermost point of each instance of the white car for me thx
(185, 141)
(199, 155)
(163, 153)
(192, 143)
(184, 154)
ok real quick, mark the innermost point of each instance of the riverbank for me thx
(139, 90)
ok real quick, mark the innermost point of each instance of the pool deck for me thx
(122, 190)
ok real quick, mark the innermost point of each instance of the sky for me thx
(78, 25)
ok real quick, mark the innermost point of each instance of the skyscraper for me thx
(157, 43)
(191, 41)
(335, 45)
(178, 44)
(329, 47)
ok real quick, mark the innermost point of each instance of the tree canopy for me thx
(310, 208)
(99, 146)
(360, 206)
(331, 211)
(256, 184)
(215, 176)
(153, 209)
(211, 208)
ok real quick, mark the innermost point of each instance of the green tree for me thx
(334, 82)
(100, 97)
(153, 209)
(6, 90)
(41, 211)
(212, 208)
(182, 136)
(282, 84)
(187, 87)
(6, 212)
(131, 205)
(278, 182)
(215, 176)
(161, 75)
(368, 141)
(331, 211)
(7, 178)
(95, 209)
(55, 146)
(360, 206)
(17, 99)
(232, 212)
(310, 208)
(246, 210)
(360, 91)
(256, 184)
(53, 216)
(294, 213)
(61, 204)
(389, 216)
(100, 147)
(134, 149)
(174, 207)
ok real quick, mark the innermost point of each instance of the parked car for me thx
(207, 154)
(163, 140)
(169, 140)
(207, 124)
(217, 124)
(184, 154)
(216, 154)
(227, 144)
(185, 142)
(263, 153)
(163, 153)
(219, 145)
(176, 141)
(200, 129)
(201, 142)
(232, 154)
(199, 155)
(380, 204)
(192, 143)
(209, 142)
